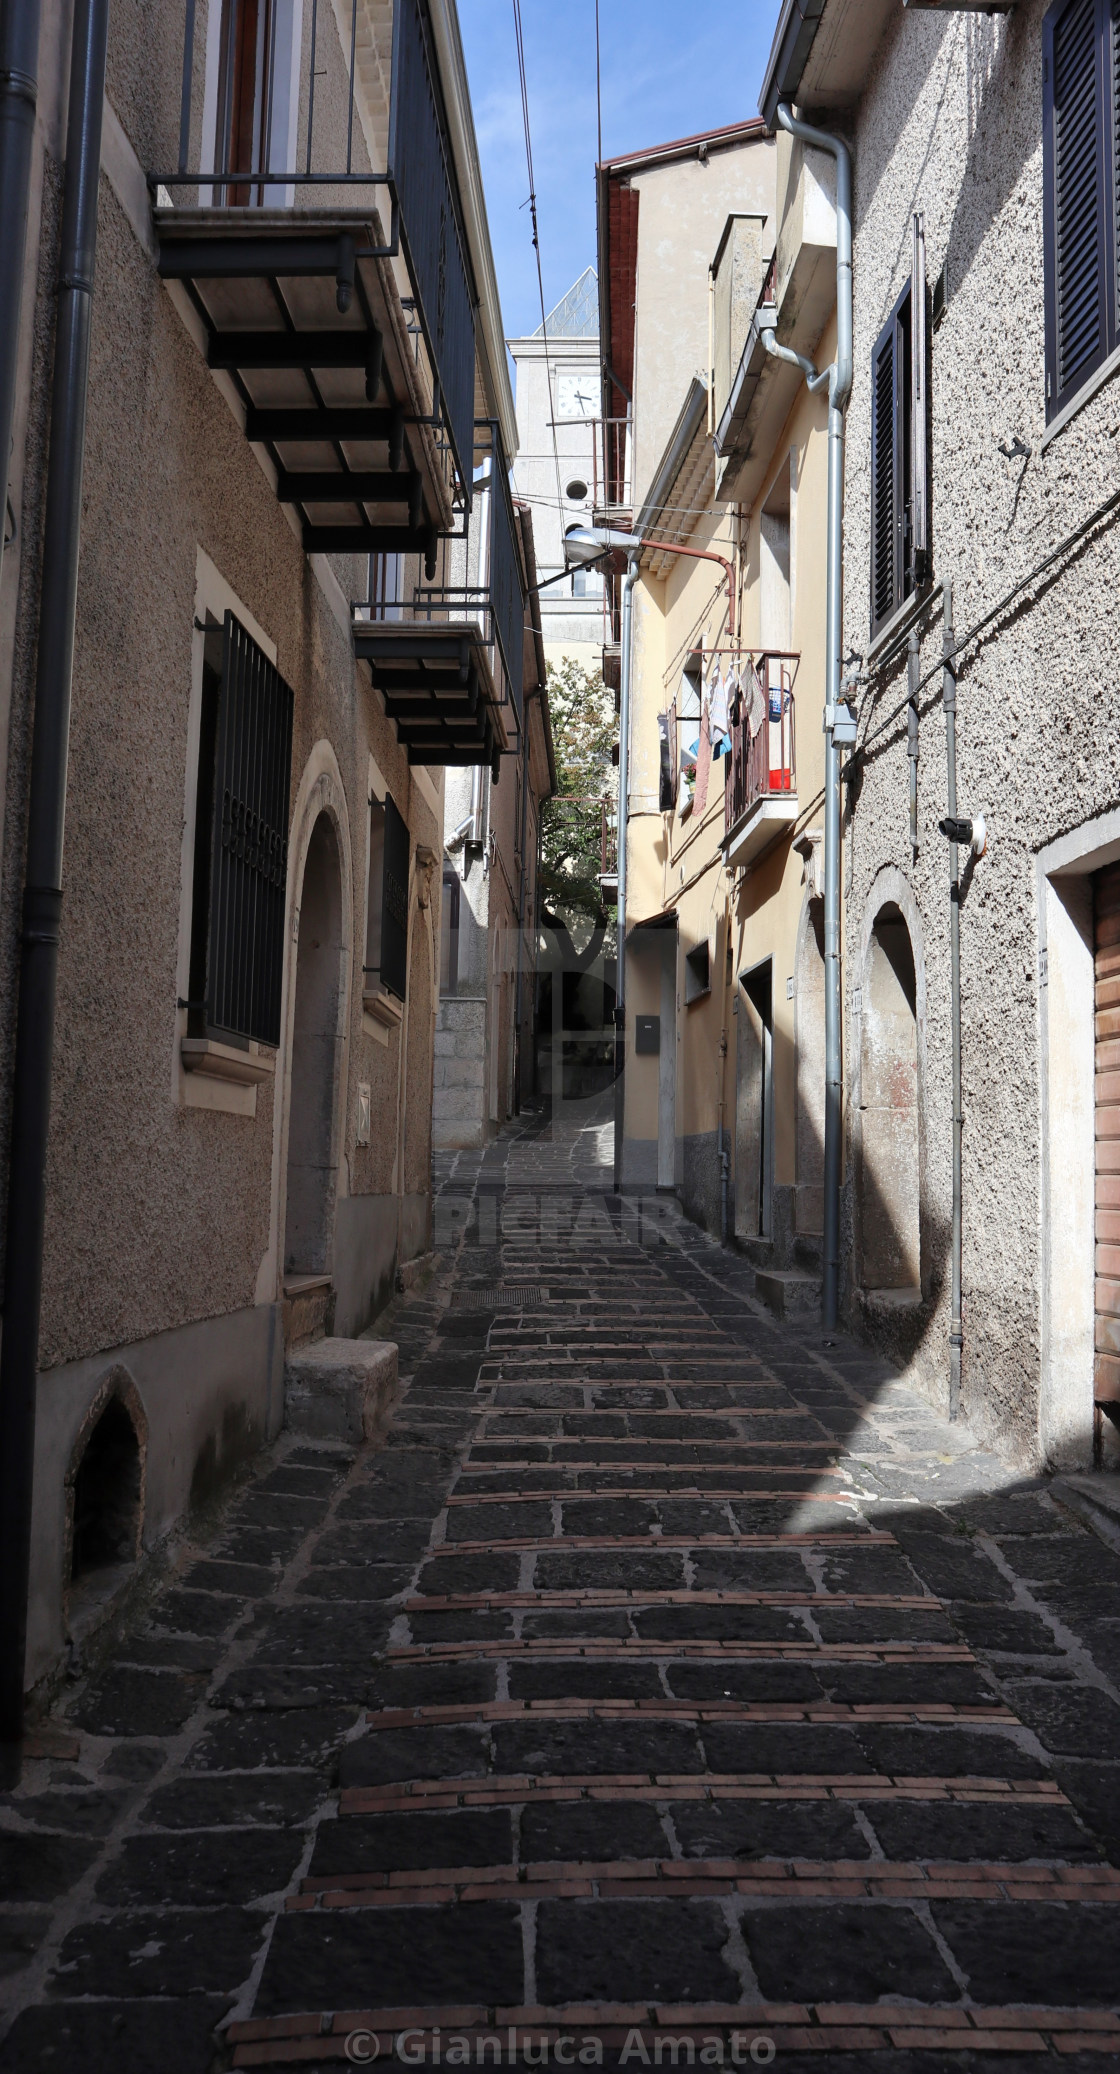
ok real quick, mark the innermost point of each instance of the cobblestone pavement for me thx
(672, 1674)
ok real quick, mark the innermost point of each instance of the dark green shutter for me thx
(1079, 116)
(394, 903)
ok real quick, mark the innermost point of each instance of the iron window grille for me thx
(241, 841)
(900, 446)
(1081, 210)
(386, 960)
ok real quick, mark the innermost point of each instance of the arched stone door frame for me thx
(321, 791)
(890, 888)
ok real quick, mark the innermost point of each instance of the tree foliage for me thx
(584, 730)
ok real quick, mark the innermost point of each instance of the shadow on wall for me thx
(894, 1243)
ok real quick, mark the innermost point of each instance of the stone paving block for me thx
(122, 1702)
(415, 1753)
(406, 1956)
(671, 1950)
(126, 2037)
(845, 1952)
(340, 1389)
(394, 1843)
(187, 1952)
(1047, 1953)
(200, 1870)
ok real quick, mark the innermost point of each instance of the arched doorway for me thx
(889, 1169)
(809, 1034)
(316, 1058)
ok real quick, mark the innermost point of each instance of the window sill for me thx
(1093, 385)
(381, 1013)
(900, 622)
(216, 1061)
(382, 1006)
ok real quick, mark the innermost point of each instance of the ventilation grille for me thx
(498, 1299)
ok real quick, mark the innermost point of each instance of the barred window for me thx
(241, 841)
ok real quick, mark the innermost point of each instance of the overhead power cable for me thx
(1002, 605)
(520, 36)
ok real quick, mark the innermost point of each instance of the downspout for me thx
(42, 893)
(19, 61)
(949, 702)
(626, 637)
(839, 727)
(912, 675)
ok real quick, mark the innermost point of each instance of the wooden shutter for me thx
(1106, 945)
(887, 453)
(249, 842)
(919, 404)
(394, 903)
(1079, 211)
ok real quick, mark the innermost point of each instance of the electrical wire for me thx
(1086, 525)
(520, 37)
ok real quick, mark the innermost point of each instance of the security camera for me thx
(970, 830)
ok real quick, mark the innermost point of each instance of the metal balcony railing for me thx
(612, 463)
(608, 839)
(280, 120)
(763, 734)
(498, 605)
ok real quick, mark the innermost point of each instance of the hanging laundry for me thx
(717, 696)
(704, 758)
(756, 704)
(734, 689)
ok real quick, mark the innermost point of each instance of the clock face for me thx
(577, 396)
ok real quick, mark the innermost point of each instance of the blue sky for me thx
(669, 68)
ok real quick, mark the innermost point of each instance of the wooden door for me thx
(1106, 1337)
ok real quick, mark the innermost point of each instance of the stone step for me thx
(789, 1291)
(341, 1389)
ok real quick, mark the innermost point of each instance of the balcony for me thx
(796, 299)
(312, 224)
(449, 663)
(761, 792)
(612, 494)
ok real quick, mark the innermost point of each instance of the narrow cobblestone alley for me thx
(671, 1672)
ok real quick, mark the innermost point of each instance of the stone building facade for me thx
(231, 1172)
(955, 122)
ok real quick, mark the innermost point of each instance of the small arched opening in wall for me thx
(104, 1496)
(809, 1038)
(317, 1037)
(890, 1147)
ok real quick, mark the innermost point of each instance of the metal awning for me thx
(302, 321)
(438, 686)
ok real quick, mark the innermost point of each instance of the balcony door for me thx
(247, 66)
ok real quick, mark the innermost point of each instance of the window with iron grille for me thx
(899, 446)
(1081, 213)
(241, 841)
(386, 960)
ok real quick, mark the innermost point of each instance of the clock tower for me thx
(559, 404)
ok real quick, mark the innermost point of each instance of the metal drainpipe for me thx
(949, 702)
(19, 62)
(626, 633)
(521, 905)
(42, 895)
(912, 674)
(838, 727)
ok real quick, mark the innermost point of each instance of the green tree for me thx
(584, 730)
